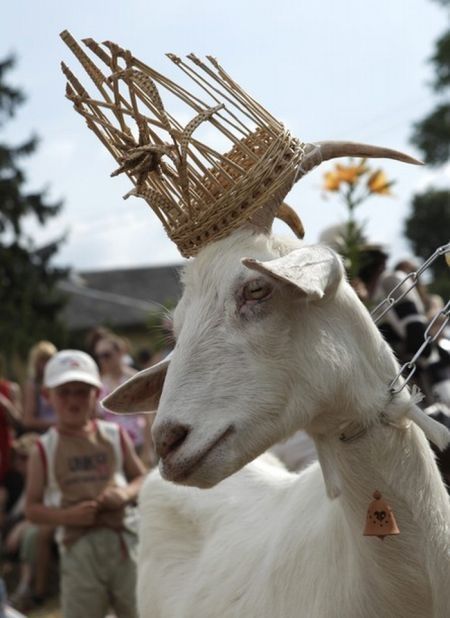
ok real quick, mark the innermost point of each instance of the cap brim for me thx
(74, 376)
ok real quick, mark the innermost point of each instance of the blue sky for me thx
(329, 70)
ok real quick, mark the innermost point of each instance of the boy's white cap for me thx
(71, 366)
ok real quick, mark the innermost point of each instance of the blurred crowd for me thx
(28, 550)
(405, 326)
(416, 314)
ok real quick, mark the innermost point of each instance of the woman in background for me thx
(38, 413)
(110, 354)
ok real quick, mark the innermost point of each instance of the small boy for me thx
(84, 477)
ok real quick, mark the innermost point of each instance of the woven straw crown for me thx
(198, 193)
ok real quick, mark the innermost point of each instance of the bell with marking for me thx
(380, 520)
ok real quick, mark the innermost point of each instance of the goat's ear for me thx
(315, 271)
(141, 393)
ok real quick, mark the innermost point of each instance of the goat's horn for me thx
(318, 152)
(315, 153)
(291, 218)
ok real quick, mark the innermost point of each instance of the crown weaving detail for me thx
(198, 192)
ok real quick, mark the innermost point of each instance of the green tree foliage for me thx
(427, 228)
(441, 63)
(432, 134)
(428, 225)
(443, 2)
(29, 299)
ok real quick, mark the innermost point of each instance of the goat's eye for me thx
(257, 289)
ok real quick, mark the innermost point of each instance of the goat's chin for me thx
(214, 466)
(205, 476)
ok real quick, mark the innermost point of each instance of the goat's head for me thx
(257, 321)
(267, 334)
(256, 355)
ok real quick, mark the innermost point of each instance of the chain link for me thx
(400, 381)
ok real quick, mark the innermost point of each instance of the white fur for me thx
(263, 542)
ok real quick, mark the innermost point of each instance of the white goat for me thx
(271, 339)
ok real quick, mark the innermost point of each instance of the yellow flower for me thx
(378, 183)
(332, 181)
(350, 173)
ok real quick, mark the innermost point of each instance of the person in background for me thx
(39, 416)
(20, 537)
(144, 359)
(102, 332)
(10, 423)
(10, 397)
(109, 353)
(439, 365)
(38, 412)
(93, 337)
(404, 325)
(91, 476)
(372, 264)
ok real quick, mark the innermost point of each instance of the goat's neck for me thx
(388, 453)
(361, 408)
(396, 460)
(393, 458)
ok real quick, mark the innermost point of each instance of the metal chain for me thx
(391, 300)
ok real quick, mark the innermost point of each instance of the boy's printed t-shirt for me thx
(79, 468)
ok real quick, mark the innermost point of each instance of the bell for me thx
(380, 520)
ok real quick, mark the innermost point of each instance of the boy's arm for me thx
(118, 497)
(82, 514)
(134, 468)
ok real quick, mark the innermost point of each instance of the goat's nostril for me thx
(170, 438)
